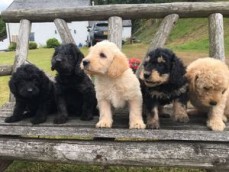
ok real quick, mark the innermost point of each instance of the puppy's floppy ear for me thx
(192, 76)
(118, 65)
(76, 53)
(177, 70)
(12, 85)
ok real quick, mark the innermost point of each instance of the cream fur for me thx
(209, 81)
(115, 84)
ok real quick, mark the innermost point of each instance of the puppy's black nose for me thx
(146, 75)
(213, 103)
(86, 62)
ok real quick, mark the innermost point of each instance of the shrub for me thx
(52, 43)
(32, 45)
(12, 46)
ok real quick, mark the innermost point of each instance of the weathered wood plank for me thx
(4, 164)
(115, 30)
(64, 31)
(161, 35)
(6, 70)
(216, 36)
(125, 11)
(192, 154)
(22, 46)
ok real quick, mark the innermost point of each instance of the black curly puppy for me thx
(75, 93)
(163, 82)
(34, 94)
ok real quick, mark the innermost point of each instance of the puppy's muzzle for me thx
(86, 63)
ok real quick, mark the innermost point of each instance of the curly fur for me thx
(75, 93)
(115, 83)
(34, 94)
(208, 90)
(163, 81)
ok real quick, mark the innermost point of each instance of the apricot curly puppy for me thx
(208, 90)
(115, 83)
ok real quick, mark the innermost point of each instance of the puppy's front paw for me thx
(60, 119)
(181, 118)
(137, 125)
(104, 124)
(86, 117)
(216, 125)
(153, 124)
(12, 119)
(38, 120)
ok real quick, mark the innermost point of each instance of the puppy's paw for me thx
(60, 119)
(104, 124)
(216, 125)
(153, 124)
(181, 118)
(86, 117)
(12, 119)
(38, 120)
(137, 125)
(224, 118)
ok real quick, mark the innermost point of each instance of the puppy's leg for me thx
(105, 117)
(41, 113)
(61, 110)
(153, 117)
(89, 102)
(180, 109)
(18, 112)
(216, 117)
(136, 120)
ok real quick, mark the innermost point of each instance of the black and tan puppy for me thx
(163, 81)
(34, 94)
(74, 90)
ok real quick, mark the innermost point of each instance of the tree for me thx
(2, 29)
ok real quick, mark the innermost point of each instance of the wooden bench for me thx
(175, 144)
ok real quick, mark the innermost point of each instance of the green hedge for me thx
(52, 43)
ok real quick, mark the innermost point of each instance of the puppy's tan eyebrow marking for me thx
(160, 59)
(147, 59)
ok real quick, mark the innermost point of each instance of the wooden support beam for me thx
(22, 46)
(64, 31)
(216, 36)
(161, 35)
(115, 30)
(155, 153)
(125, 11)
(6, 70)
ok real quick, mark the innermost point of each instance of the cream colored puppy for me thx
(115, 84)
(208, 90)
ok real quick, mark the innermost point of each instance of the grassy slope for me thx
(188, 35)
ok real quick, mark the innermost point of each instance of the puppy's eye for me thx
(206, 88)
(223, 91)
(102, 55)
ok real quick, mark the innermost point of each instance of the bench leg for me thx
(4, 164)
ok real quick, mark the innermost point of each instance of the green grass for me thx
(21, 166)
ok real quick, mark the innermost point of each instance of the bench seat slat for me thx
(195, 130)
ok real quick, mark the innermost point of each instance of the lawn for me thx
(41, 58)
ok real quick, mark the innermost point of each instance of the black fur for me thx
(34, 94)
(75, 93)
(169, 90)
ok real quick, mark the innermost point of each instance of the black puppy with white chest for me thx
(163, 81)
(34, 94)
(74, 90)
